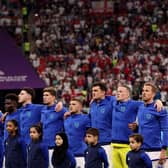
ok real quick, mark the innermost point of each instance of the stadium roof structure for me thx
(15, 70)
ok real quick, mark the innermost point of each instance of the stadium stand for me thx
(73, 45)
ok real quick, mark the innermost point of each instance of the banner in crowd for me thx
(15, 71)
(102, 6)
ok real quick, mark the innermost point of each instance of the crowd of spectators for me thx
(11, 19)
(73, 45)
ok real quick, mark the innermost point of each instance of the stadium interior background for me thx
(23, 21)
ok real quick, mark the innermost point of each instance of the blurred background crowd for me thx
(72, 43)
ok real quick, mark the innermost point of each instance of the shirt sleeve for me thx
(103, 157)
(44, 150)
(137, 103)
(23, 149)
(1, 114)
(72, 159)
(127, 161)
(88, 121)
(146, 159)
(164, 127)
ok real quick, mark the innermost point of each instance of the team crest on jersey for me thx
(122, 108)
(51, 116)
(148, 116)
(102, 110)
(29, 113)
(76, 124)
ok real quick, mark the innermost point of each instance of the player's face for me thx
(97, 93)
(74, 106)
(147, 94)
(58, 140)
(10, 105)
(23, 96)
(122, 94)
(134, 145)
(34, 135)
(48, 99)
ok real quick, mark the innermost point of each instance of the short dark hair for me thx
(51, 90)
(138, 137)
(12, 96)
(102, 85)
(93, 131)
(30, 91)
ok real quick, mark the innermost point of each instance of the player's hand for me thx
(3, 117)
(59, 106)
(67, 114)
(163, 156)
(133, 126)
(91, 101)
(158, 105)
